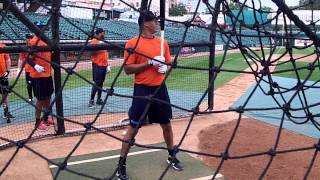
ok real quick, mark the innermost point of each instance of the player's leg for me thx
(137, 108)
(5, 97)
(94, 88)
(41, 126)
(46, 96)
(29, 86)
(121, 167)
(36, 93)
(102, 74)
(162, 113)
(167, 135)
(43, 88)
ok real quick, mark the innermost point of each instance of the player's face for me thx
(28, 41)
(101, 36)
(152, 26)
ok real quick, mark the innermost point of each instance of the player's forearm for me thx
(135, 68)
(20, 63)
(8, 62)
(30, 62)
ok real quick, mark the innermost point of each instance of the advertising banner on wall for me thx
(302, 42)
(92, 4)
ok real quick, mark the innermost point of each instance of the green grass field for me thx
(281, 50)
(296, 51)
(180, 79)
(303, 73)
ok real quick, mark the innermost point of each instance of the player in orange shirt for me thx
(5, 63)
(148, 76)
(99, 68)
(22, 57)
(41, 81)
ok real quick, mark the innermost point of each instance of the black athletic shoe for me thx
(175, 163)
(7, 114)
(99, 102)
(121, 173)
(91, 104)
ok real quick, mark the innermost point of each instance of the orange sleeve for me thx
(7, 56)
(21, 56)
(93, 42)
(131, 57)
(8, 61)
(167, 54)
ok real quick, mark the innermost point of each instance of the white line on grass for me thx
(208, 177)
(107, 157)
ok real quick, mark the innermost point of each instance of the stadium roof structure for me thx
(247, 17)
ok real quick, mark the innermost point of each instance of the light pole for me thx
(111, 9)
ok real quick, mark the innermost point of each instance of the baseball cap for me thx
(99, 30)
(29, 36)
(146, 16)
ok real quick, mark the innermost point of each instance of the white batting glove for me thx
(163, 68)
(108, 69)
(158, 62)
(39, 68)
(5, 74)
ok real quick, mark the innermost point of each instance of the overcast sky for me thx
(268, 3)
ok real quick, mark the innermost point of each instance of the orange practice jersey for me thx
(22, 57)
(3, 61)
(150, 48)
(44, 55)
(100, 58)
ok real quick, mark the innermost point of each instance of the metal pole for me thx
(24, 6)
(76, 47)
(144, 5)
(111, 9)
(212, 49)
(56, 58)
(162, 22)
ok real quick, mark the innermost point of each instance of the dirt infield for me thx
(254, 136)
(207, 133)
(23, 130)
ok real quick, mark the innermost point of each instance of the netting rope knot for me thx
(110, 92)
(63, 165)
(310, 67)
(20, 143)
(196, 110)
(225, 156)
(88, 126)
(275, 85)
(272, 152)
(239, 109)
(310, 116)
(271, 92)
(317, 146)
(215, 69)
(131, 141)
(187, 23)
(174, 64)
(69, 70)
